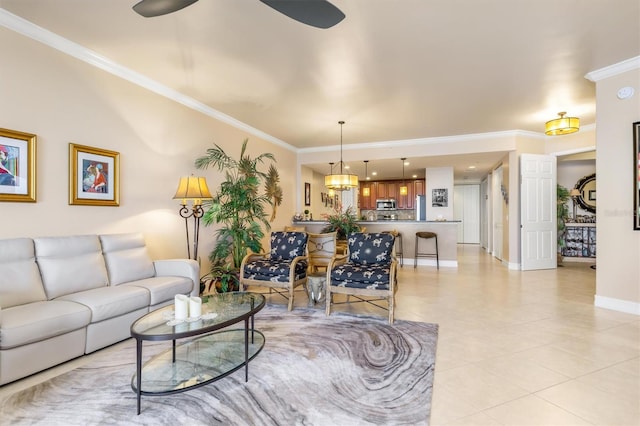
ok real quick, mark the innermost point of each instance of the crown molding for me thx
(613, 70)
(37, 33)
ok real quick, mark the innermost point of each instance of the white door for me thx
(484, 196)
(538, 211)
(496, 184)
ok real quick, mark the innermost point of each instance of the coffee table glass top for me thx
(218, 311)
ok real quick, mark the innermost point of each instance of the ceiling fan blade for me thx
(317, 13)
(153, 8)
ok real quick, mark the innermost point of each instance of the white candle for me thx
(195, 307)
(181, 306)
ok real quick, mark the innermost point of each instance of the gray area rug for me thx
(313, 370)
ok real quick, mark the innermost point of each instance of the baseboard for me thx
(432, 262)
(619, 305)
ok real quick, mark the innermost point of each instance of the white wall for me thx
(439, 178)
(618, 272)
(63, 100)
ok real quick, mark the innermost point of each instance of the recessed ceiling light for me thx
(414, 176)
(472, 167)
(374, 173)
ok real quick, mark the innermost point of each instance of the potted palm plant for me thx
(239, 208)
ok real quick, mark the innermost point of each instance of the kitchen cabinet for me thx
(406, 202)
(367, 202)
(381, 190)
(390, 189)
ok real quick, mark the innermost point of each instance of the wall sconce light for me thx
(562, 126)
(194, 189)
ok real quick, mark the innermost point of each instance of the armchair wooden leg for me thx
(328, 297)
(291, 298)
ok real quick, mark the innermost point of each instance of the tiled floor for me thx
(524, 348)
(515, 348)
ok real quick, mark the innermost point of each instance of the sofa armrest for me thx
(188, 268)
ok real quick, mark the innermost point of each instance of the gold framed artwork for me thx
(17, 166)
(636, 176)
(93, 176)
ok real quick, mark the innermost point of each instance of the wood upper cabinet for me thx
(367, 202)
(381, 190)
(390, 189)
(393, 190)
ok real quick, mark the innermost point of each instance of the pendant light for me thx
(403, 188)
(366, 191)
(562, 126)
(342, 181)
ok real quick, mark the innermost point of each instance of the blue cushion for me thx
(361, 276)
(370, 249)
(288, 245)
(273, 270)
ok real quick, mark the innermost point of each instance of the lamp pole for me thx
(196, 212)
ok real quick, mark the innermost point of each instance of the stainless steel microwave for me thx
(385, 204)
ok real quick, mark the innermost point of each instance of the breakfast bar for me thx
(447, 237)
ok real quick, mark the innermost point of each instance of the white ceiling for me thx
(393, 70)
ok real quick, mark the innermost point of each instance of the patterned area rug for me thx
(313, 370)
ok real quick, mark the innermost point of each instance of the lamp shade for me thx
(341, 182)
(192, 188)
(562, 126)
(575, 192)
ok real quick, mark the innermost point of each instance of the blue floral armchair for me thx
(284, 267)
(368, 271)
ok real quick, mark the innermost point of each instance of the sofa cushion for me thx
(126, 257)
(20, 281)
(37, 321)
(70, 264)
(162, 289)
(110, 302)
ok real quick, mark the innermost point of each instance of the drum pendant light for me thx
(342, 181)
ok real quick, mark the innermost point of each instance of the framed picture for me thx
(93, 176)
(307, 194)
(17, 166)
(440, 197)
(636, 176)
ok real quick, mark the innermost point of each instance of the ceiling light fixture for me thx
(342, 181)
(366, 191)
(562, 126)
(403, 188)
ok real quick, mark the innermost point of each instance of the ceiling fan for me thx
(317, 13)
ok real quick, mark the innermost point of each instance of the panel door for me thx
(538, 211)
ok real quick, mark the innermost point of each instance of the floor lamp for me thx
(194, 189)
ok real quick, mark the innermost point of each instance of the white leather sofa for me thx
(62, 297)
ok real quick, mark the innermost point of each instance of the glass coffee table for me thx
(212, 348)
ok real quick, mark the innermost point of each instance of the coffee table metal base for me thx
(198, 362)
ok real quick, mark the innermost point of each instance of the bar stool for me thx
(398, 244)
(426, 235)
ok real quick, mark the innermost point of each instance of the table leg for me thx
(138, 371)
(246, 350)
(174, 351)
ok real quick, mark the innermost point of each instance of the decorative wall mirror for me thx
(587, 188)
(636, 176)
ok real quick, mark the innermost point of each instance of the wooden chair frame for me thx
(384, 294)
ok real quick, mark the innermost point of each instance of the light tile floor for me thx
(514, 348)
